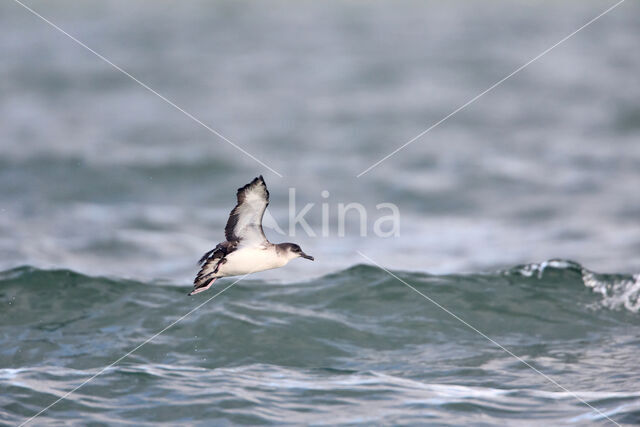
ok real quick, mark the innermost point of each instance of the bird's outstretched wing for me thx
(245, 221)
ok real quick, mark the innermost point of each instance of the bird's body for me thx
(252, 259)
(246, 249)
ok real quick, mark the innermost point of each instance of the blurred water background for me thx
(104, 180)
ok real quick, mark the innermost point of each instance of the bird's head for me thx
(291, 250)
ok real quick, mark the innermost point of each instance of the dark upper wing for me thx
(211, 261)
(220, 251)
(245, 221)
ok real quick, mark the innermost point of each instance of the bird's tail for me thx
(206, 284)
(206, 276)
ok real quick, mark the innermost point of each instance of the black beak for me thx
(303, 255)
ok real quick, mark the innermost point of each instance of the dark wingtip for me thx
(265, 186)
(253, 181)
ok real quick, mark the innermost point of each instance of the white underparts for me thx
(252, 259)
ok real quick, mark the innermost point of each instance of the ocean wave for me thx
(618, 291)
(356, 342)
(241, 394)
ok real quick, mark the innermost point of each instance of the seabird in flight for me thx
(246, 249)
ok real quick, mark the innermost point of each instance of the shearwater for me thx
(246, 249)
